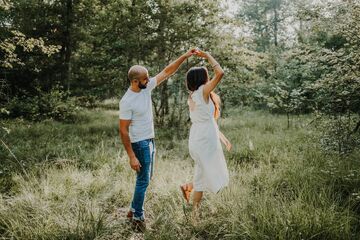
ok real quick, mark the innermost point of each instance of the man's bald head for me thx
(136, 72)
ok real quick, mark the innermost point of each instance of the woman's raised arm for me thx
(219, 73)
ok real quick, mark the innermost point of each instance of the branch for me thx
(356, 127)
(315, 119)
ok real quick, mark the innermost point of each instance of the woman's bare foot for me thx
(186, 190)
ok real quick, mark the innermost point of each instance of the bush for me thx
(55, 104)
(338, 135)
(88, 101)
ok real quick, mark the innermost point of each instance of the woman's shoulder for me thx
(198, 94)
(201, 87)
(200, 90)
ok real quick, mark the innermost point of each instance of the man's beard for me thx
(141, 86)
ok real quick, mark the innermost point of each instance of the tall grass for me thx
(78, 180)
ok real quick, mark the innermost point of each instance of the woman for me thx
(211, 172)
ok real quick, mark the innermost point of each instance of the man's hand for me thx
(173, 67)
(191, 52)
(135, 164)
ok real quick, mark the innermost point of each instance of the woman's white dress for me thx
(211, 173)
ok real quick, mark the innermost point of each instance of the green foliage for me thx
(337, 91)
(100, 40)
(87, 101)
(338, 135)
(55, 104)
(267, 20)
(245, 71)
(282, 99)
(10, 46)
(318, 73)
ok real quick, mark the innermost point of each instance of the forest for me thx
(290, 106)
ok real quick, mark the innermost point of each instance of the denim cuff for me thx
(142, 218)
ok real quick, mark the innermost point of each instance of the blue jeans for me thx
(145, 153)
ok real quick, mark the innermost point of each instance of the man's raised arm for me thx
(173, 67)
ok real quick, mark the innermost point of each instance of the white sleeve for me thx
(152, 83)
(125, 110)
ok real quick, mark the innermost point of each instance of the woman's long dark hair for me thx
(197, 76)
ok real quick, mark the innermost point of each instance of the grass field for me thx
(73, 181)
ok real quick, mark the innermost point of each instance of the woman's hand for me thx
(192, 51)
(200, 53)
(228, 145)
(225, 141)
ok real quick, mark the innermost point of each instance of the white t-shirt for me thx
(137, 107)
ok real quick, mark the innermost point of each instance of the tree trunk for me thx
(275, 23)
(288, 120)
(67, 43)
(163, 89)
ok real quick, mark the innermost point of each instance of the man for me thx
(137, 129)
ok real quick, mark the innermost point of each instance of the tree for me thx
(265, 19)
